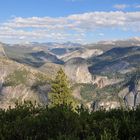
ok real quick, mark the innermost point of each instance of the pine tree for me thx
(60, 90)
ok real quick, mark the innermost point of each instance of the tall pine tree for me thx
(60, 91)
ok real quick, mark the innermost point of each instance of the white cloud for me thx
(74, 27)
(120, 6)
(86, 21)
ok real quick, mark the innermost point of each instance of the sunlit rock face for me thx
(102, 81)
(109, 105)
(104, 104)
(77, 70)
(2, 52)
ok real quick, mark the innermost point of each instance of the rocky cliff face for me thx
(2, 52)
(77, 70)
(131, 91)
(103, 81)
(105, 105)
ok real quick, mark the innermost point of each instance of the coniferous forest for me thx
(29, 122)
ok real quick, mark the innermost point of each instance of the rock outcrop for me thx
(77, 70)
(102, 81)
(131, 94)
(2, 52)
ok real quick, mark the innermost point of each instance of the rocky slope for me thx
(83, 53)
(116, 60)
(19, 83)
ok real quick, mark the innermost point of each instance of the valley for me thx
(105, 74)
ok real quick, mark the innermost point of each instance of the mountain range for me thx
(104, 74)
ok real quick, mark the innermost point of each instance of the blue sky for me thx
(84, 21)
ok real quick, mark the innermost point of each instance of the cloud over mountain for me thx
(75, 26)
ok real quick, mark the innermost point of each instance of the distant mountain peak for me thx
(135, 39)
